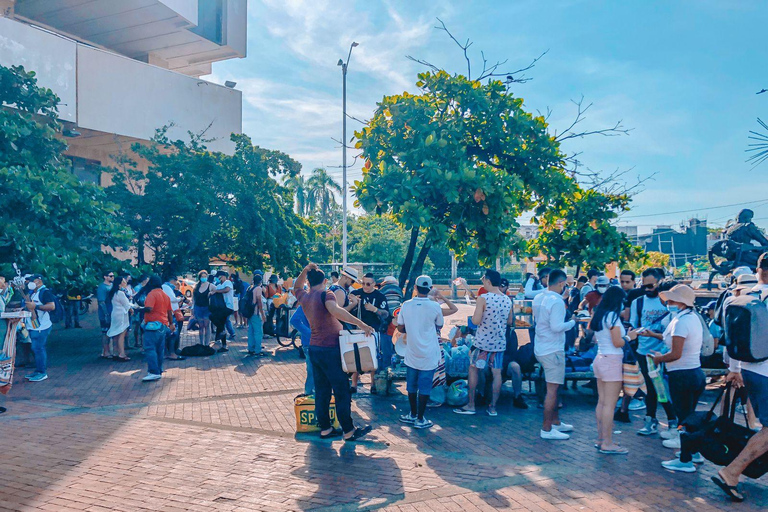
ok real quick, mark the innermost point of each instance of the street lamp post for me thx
(344, 66)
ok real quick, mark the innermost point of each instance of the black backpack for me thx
(247, 307)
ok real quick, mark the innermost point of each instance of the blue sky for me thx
(681, 74)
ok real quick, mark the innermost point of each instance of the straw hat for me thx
(681, 293)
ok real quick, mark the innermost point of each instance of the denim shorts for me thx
(201, 312)
(419, 381)
(757, 388)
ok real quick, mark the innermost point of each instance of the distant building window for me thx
(87, 171)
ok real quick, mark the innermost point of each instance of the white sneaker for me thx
(151, 376)
(636, 405)
(696, 458)
(423, 423)
(670, 434)
(554, 435)
(407, 418)
(676, 465)
(563, 427)
(672, 443)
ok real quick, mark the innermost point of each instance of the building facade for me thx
(124, 69)
(682, 246)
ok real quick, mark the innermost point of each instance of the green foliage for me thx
(320, 199)
(460, 161)
(374, 238)
(193, 205)
(50, 222)
(576, 230)
(650, 259)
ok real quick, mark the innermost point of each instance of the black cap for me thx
(504, 282)
(35, 276)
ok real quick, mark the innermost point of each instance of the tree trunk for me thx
(578, 271)
(418, 266)
(406, 268)
(140, 250)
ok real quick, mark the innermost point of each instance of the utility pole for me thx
(344, 66)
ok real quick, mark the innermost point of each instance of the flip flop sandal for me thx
(730, 490)
(620, 451)
(121, 359)
(467, 412)
(336, 432)
(359, 432)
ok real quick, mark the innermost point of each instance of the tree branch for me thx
(569, 133)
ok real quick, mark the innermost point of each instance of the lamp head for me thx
(340, 63)
(354, 44)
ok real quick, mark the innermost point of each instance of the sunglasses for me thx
(111, 275)
(368, 284)
(649, 286)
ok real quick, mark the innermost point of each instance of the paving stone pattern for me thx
(218, 433)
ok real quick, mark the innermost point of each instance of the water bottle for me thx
(656, 373)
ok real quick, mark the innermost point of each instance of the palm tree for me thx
(299, 187)
(320, 193)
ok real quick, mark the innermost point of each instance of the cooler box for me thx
(358, 352)
(304, 406)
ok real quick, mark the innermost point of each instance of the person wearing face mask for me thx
(683, 338)
(549, 348)
(647, 317)
(41, 302)
(592, 298)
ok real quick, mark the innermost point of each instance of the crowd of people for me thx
(655, 326)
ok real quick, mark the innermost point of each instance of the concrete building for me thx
(124, 68)
(685, 245)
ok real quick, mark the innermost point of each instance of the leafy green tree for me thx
(321, 190)
(374, 238)
(50, 222)
(193, 205)
(298, 185)
(458, 162)
(576, 230)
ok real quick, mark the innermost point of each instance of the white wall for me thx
(51, 57)
(185, 8)
(119, 95)
(237, 26)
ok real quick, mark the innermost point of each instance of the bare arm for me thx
(302, 279)
(477, 316)
(673, 355)
(450, 308)
(616, 338)
(511, 316)
(345, 316)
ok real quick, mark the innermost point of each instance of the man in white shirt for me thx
(549, 348)
(419, 319)
(755, 377)
(41, 304)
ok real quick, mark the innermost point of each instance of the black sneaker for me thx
(352, 390)
(223, 349)
(621, 417)
(519, 402)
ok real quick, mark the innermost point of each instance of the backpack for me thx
(707, 340)
(745, 326)
(247, 306)
(57, 315)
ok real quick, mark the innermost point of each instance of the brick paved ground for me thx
(218, 434)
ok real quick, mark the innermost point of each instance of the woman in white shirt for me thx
(683, 336)
(610, 337)
(120, 320)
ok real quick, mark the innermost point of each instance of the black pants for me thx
(329, 376)
(219, 321)
(685, 388)
(173, 339)
(652, 399)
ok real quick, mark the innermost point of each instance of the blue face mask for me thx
(216, 280)
(673, 309)
(203, 279)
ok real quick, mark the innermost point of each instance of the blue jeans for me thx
(309, 384)
(385, 342)
(230, 329)
(330, 377)
(39, 340)
(419, 381)
(154, 349)
(255, 333)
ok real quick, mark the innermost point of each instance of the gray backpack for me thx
(746, 327)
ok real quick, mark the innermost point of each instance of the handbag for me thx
(216, 302)
(633, 378)
(720, 439)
